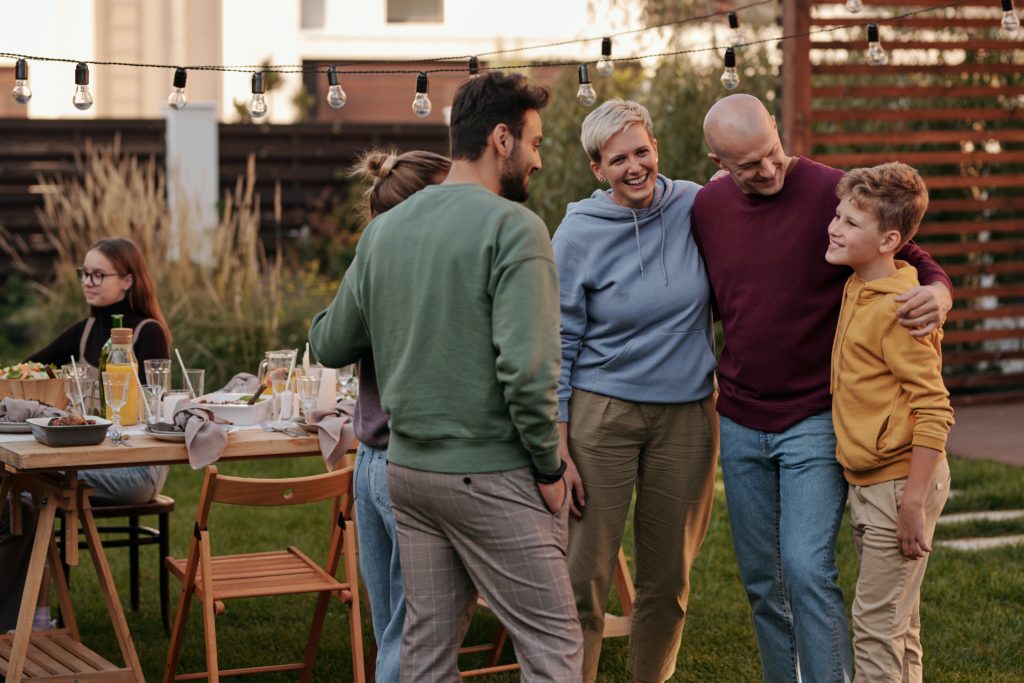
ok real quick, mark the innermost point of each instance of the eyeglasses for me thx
(94, 277)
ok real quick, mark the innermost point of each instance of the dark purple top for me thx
(370, 422)
(777, 296)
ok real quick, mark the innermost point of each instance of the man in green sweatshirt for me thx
(455, 292)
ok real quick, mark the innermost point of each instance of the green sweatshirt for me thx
(458, 290)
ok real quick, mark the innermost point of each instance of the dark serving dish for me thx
(71, 435)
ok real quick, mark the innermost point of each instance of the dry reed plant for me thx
(223, 316)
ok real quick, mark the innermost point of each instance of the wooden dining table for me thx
(51, 473)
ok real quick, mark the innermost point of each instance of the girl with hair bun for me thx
(395, 177)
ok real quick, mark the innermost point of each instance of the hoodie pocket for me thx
(683, 359)
(896, 433)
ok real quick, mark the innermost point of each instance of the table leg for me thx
(30, 594)
(106, 579)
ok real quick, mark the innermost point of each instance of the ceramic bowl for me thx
(71, 435)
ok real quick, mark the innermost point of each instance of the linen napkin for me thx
(17, 410)
(334, 428)
(204, 439)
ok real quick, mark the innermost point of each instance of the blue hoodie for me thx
(635, 300)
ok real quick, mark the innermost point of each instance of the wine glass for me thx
(308, 387)
(76, 379)
(115, 389)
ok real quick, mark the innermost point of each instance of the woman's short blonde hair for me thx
(610, 119)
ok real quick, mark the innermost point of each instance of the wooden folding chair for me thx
(615, 626)
(216, 579)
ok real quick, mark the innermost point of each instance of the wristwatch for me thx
(552, 478)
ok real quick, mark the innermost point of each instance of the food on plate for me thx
(70, 420)
(28, 370)
(240, 401)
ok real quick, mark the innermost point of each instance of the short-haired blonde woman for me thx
(394, 177)
(635, 391)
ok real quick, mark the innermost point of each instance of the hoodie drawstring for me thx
(664, 237)
(640, 255)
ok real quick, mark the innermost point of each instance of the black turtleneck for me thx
(152, 342)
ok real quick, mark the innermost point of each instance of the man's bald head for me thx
(744, 141)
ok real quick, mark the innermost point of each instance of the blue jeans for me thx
(125, 485)
(786, 495)
(378, 558)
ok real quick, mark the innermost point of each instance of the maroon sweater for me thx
(777, 296)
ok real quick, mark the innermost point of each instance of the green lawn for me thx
(973, 603)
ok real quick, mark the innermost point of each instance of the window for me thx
(415, 10)
(312, 13)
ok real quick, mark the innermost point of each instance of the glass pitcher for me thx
(275, 366)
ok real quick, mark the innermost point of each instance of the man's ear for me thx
(502, 140)
(716, 160)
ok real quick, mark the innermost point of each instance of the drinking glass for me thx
(308, 387)
(158, 372)
(152, 395)
(349, 383)
(115, 389)
(282, 401)
(73, 381)
(195, 378)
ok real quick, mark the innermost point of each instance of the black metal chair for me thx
(133, 535)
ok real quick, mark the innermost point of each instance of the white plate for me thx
(179, 437)
(15, 428)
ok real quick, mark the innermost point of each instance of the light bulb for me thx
(421, 105)
(736, 35)
(83, 98)
(1011, 22)
(177, 97)
(605, 66)
(730, 79)
(336, 97)
(22, 93)
(876, 53)
(854, 6)
(585, 95)
(474, 67)
(258, 103)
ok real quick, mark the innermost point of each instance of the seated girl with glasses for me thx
(115, 280)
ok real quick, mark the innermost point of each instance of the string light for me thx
(730, 79)
(605, 65)
(258, 103)
(421, 105)
(876, 53)
(854, 6)
(336, 97)
(21, 92)
(177, 97)
(585, 95)
(1011, 22)
(83, 98)
(736, 34)
(474, 67)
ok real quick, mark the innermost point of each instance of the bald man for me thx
(763, 234)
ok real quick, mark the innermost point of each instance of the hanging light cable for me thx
(21, 92)
(877, 55)
(474, 67)
(585, 95)
(177, 97)
(83, 98)
(336, 97)
(736, 34)
(258, 103)
(605, 65)
(421, 104)
(730, 79)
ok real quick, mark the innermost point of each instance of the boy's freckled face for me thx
(854, 236)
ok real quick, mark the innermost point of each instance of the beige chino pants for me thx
(668, 453)
(886, 608)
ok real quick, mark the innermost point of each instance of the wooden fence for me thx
(303, 166)
(951, 103)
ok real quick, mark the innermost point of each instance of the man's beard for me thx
(513, 178)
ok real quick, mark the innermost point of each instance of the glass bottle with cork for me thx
(121, 362)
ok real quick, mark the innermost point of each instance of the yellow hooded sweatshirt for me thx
(887, 389)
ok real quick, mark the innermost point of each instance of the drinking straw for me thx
(184, 373)
(305, 360)
(291, 369)
(142, 396)
(78, 383)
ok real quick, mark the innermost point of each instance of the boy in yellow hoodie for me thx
(891, 414)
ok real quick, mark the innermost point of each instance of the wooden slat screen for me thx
(951, 103)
